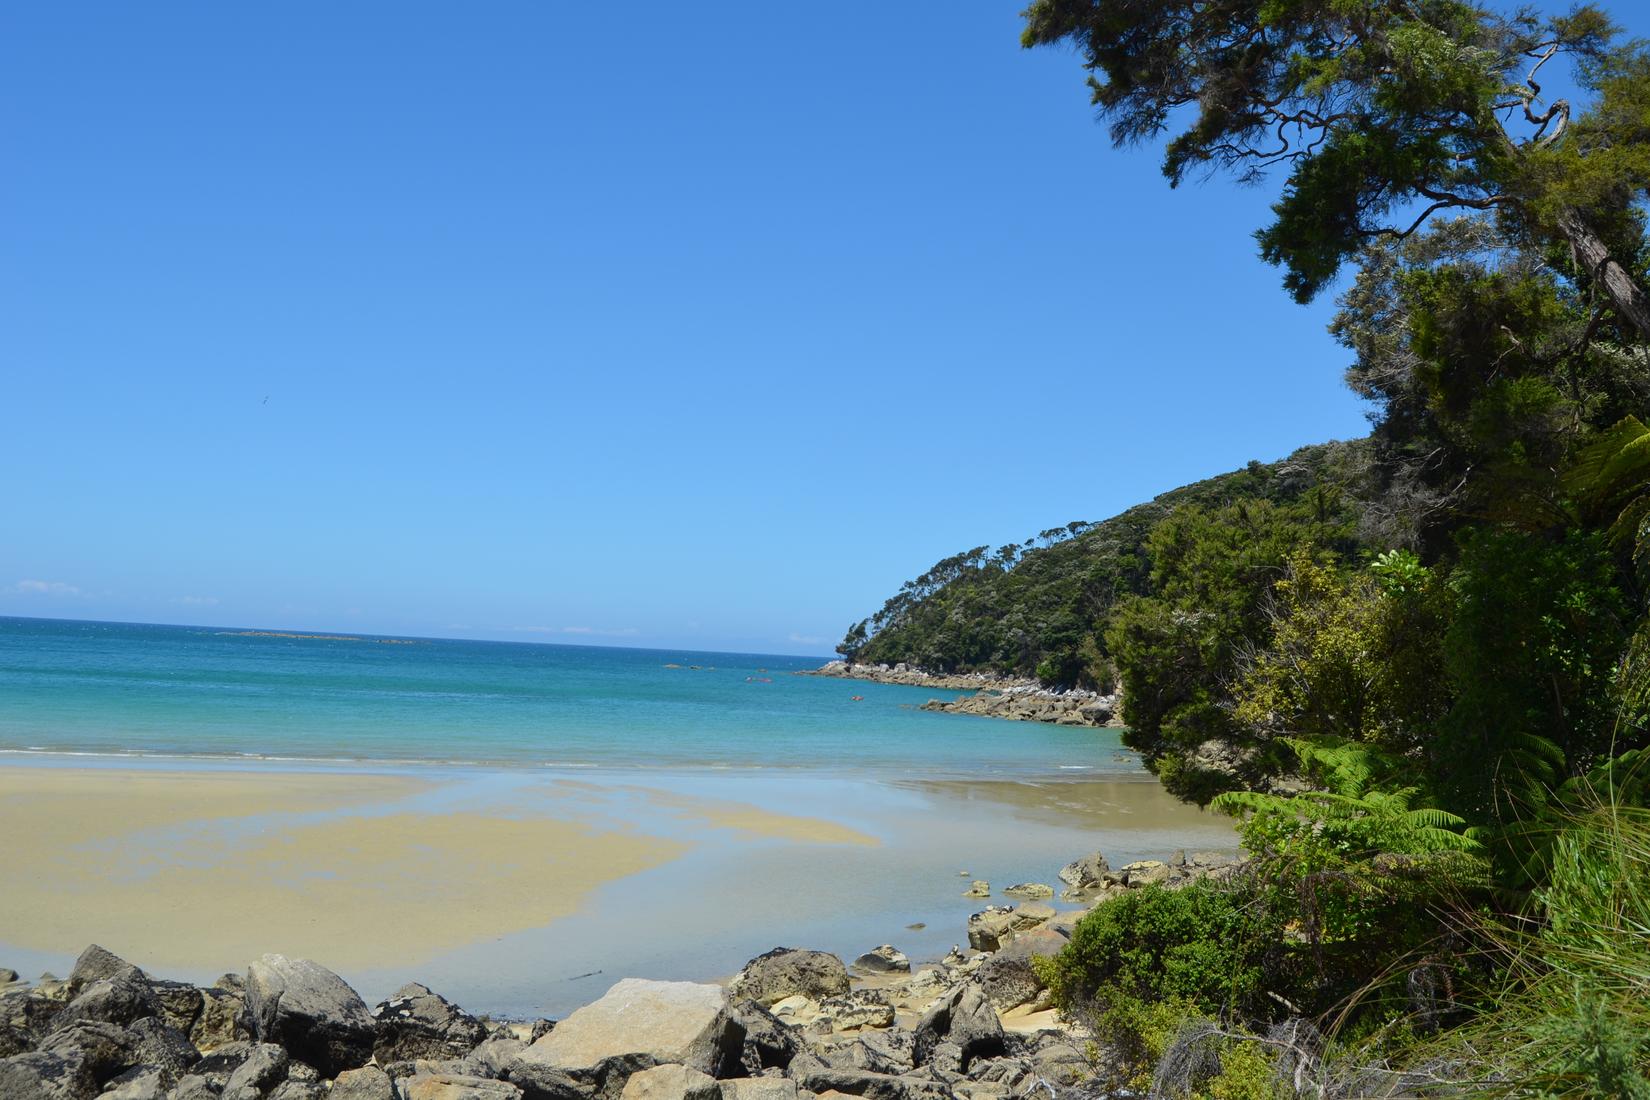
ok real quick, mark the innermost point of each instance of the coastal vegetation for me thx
(1415, 668)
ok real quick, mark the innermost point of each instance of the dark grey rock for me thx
(29, 1013)
(256, 1077)
(119, 999)
(163, 1047)
(964, 1017)
(787, 972)
(875, 1086)
(310, 1011)
(297, 1090)
(541, 1028)
(1085, 873)
(105, 1050)
(42, 1076)
(366, 1083)
(194, 1087)
(886, 959)
(180, 1003)
(493, 1056)
(95, 964)
(769, 1043)
(217, 1066)
(1008, 978)
(138, 1083)
(417, 1023)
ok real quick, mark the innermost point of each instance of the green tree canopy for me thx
(1384, 113)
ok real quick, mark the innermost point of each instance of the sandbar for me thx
(194, 870)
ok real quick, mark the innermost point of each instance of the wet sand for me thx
(369, 870)
(513, 890)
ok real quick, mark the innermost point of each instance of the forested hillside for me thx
(1437, 635)
(1037, 608)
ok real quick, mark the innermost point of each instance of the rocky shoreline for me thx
(995, 696)
(791, 1025)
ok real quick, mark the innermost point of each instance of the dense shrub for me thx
(1200, 946)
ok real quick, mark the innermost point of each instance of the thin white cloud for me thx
(805, 639)
(45, 588)
(199, 601)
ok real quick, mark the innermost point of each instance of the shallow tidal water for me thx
(545, 819)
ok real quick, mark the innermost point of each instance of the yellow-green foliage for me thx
(1246, 1073)
(1353, 656)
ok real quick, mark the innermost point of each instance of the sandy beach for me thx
(511, 885)
(180, 866)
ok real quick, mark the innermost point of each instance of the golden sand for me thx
(179, 868)
(205, 869)
(753, 821)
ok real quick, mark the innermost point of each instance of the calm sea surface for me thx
(142, 690)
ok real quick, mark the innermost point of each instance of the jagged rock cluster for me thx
(1032, 703)
(995, 696)
(792, 1025)
(915, 677)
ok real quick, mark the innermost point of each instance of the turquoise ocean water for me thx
(124, 689)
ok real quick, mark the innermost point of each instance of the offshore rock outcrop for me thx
(995, 696)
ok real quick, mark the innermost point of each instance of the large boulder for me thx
(875, 1086)
(451, 1086)
(636, 1025)
(160, 1046)
(1008, 978)
(886, 959)
(222, 1019)
(671, 1082)
(1088, 873)
(769, 1043)
(416, 1023)
(963, 1017)
(309, 1010)
(40, 1076)
(858, 1008)
(759, 1088)
(180, 1003)
(96, 963)
(138, 1083)
(366, 1083)
(103, 1050)
(990, 928)
(118, 999)
(788, 972)
(264, 1068)
(493, 1056)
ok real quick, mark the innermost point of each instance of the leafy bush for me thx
(1200, 946)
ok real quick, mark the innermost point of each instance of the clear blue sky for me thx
(681, 325)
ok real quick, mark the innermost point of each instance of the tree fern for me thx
(1612, 475)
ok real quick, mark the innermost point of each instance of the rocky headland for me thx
(995, 696)
(791, 1025)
